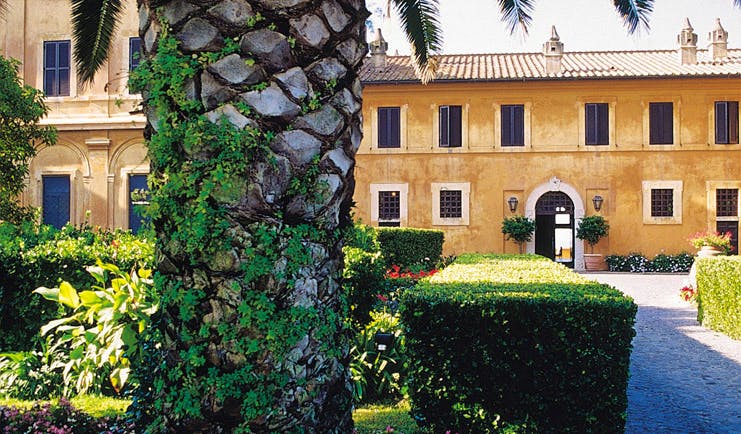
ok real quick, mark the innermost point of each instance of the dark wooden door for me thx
(545, 229)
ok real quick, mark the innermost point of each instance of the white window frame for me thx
(465, 189)
(403, 190)
(677, 188)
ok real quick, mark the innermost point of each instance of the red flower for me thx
(382, 297)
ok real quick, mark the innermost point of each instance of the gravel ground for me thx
(684, 378)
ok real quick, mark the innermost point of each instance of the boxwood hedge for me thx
(719, 294)
(496, 340)
(408, 247)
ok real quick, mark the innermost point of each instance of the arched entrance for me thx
(554, 233)
(556, 185)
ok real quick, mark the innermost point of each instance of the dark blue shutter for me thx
(721, 122)
(444, 126)
(732, 121)
(513, 125)
(603, 124)
(590, 111)
(389, 128)
(57, 68)
(136, 182)
(661, 123)
(135, 52)
(597, 124)
(56, 200)
(455, 125)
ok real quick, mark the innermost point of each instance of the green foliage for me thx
(592, 228)
(375, 419)
(362, 237)
(33, 374)
(33, 256)
(712, 239)
(719, 294)
(661, 263)
(21, 109)
(61, 418)
(518, 228)
(102, 334)
(378, 375)
(406, 247)
(497, 339)
(363, 280)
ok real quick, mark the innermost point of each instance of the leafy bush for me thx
(33, 374)
(363, 280)
(33, 256)
(102, 333)
(591, 229)
(62, 418)
(518, 229)
(719, 294)
(712, 239)
(517, 339)
(362, 237)
(408, 247)
(662, 263)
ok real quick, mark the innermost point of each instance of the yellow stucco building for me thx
(653, 134)
(650, 138)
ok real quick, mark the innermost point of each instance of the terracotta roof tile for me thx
(531, 66)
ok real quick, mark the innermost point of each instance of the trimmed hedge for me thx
(407, 247)
(661, 263)
(719, 294)
(503, 339)
(33, 256)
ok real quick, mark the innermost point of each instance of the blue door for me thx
(137, 186)
(55, 205)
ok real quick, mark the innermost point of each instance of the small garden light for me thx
(513, 203)
(597, 202)
(383, 340)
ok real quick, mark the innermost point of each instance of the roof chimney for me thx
(687, 40)
(553, 52)
(718, 41)
(378, 48)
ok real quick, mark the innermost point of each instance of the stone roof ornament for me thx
(687, 40)
(553, 52)
(378, 49)
(718, 41)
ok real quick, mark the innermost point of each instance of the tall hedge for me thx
(33, 256)
(408, 246)
(719, 294)
(517, 339)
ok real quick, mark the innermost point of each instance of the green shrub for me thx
(363, 281)
(495, 340)
(33, 374)
(362, 237)
(408, 247)
(719, 294)
(519, 229)
(661, 263)
(33, 256)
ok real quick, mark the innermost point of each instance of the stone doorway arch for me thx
(555, 184)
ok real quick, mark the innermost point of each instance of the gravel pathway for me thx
(684, 378)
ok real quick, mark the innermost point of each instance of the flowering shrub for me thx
(59, 419)
(395, 272)
(713, 239)
(688, 293)
(662, 263)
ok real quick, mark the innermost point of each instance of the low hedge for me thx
(408, 247)
(661, 263)
(33, 256)
(719, 294)
(501, 339)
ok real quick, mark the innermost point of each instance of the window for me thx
(450, 126)
(55, 204)
(135, 52)
(726, 211)
(56, 68)
(138, 199)
(389, 127)
(389, 208)
(662, 202)
(450, 204)
(661, 123)
(513, 125)
(597, 127)
(732, 228)
(726, 122)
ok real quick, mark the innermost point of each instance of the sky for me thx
(474, 26)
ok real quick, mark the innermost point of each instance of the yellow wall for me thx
(555, 149)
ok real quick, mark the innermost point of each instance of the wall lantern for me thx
(383, 340)
(513, 203)
(597, 201)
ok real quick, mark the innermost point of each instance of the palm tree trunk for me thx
(253, 124)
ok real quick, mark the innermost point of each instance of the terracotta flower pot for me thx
(594, 262)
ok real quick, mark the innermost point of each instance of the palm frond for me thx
(737, 3)
(420, 21)
(517, 14)
(635, 13)
(3, 8)
(93, 25)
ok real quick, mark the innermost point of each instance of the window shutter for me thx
(668, 123)
(55, 207)
(721, 122)
(518, 126)
(444, 126)
(395, 127)
(455, 126)
(507, 125)
(732, 121)
(590, 111)
(383, 128)
(603, 133)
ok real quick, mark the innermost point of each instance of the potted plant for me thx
(711, 243)
(592, 229)
(519, 229)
